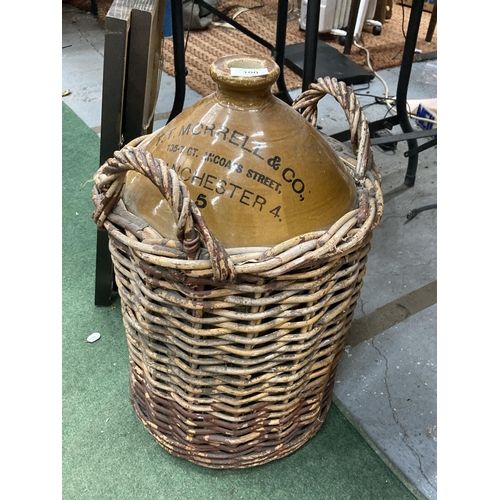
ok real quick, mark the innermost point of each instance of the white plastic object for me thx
(93, 337)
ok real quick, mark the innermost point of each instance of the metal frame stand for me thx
(401, 118)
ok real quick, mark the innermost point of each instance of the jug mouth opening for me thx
(246, 63)
(244, 72)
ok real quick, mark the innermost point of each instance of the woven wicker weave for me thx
(233, 351)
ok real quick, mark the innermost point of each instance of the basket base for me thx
(214, 448)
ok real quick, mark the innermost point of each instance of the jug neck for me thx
(244, 81)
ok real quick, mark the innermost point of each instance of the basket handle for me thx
(307, 102)
(109, 183)
(110, 178)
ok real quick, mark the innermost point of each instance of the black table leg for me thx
(279, 52)
(432, 24)
(402, 89)
(104, 275)
(310, 44)
(179, 59)
(353, 15)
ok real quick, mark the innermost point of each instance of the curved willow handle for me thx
(110, 178)
(109, 182)
(360, 133)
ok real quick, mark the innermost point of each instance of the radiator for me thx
(334, 16)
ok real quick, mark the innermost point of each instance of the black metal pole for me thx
(105, 275)
(279, 55)
(432, 24)
(402, 89)
(353, 16)
(311, 44)
(179, 58)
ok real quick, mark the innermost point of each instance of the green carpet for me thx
(107, 453)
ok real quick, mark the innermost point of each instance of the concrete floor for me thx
(386, 383)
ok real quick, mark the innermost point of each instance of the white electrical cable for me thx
(421, 119)
(227, 25)
(239, 11)
(386, 93)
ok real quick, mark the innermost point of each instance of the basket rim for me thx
(196, 248)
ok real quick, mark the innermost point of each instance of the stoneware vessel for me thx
(258, 171)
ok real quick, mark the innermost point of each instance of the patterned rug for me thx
(207, 45)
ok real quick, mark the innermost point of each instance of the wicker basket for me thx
(233, 351)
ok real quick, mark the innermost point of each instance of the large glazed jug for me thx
(258, 171)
